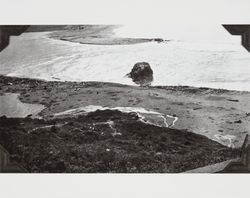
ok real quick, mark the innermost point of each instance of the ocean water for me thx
(210, 57)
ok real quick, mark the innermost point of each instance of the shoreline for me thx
(98, 35)
(167, 87)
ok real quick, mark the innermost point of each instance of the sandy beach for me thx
(209, 112)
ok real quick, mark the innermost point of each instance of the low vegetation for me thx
(106, 141)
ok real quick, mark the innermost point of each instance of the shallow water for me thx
(11, 106)
(201, 63)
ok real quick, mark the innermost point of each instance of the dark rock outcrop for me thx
(141, 74)
(159, 40)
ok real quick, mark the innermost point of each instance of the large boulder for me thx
(141, 74)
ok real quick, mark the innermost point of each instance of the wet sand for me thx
(221, 115)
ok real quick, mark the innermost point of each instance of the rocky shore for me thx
(113, 141)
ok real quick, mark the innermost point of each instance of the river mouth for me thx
(12, 107)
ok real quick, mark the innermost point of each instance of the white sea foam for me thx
(204, 62)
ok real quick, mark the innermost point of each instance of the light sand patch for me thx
(229, 138)
(11, 106)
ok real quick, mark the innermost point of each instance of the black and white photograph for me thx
(124, 99)
(98, 94)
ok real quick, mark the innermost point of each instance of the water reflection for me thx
(147, 81)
